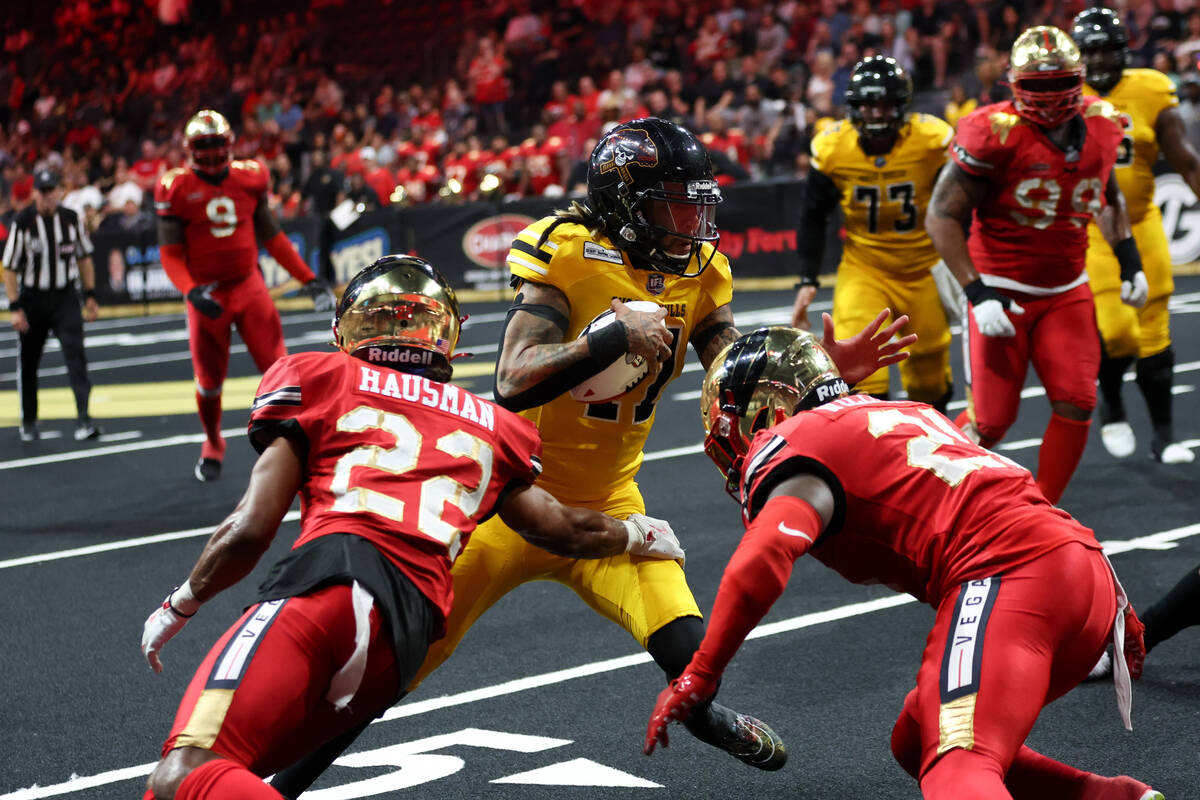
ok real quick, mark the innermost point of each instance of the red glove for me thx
(1135, 646)
(674, 704)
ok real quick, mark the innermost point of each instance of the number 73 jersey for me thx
(919, 507)
(1030, 229)
(409, 464)
(884, 198)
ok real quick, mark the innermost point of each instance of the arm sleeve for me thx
(281, 249)
(755, 578)
(175, 266)
(820, 199)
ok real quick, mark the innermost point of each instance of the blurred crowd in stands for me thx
(384, 102)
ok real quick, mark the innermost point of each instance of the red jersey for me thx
(218, 218)
(920, 508)
(409, 464)
(1031, 228)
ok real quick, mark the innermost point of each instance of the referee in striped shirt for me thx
(47, 252)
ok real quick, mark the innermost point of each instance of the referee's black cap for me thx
(46, 179)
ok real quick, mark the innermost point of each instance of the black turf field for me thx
(544, 699)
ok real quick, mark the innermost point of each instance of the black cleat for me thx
(207, 469)
(747, 739)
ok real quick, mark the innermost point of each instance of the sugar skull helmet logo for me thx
(628, 148)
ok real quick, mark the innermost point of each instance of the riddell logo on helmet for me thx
(632, 147)
(378, 355)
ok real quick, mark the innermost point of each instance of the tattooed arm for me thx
(536, 365)
(955, 196)
(713, 333)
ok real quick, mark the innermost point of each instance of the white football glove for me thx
(1135, 290)
(652, 537)
(992, 318)
(166, 621)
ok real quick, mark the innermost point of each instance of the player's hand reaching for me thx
(166, 621)
(1135, 290)
(202, 300)
(652, 537)
(991, 309)
(804, 298)
(674, 704)
(869, 349)
(322, 295)
(648, 336)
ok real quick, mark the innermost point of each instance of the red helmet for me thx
(208, 140)
(1046, 75)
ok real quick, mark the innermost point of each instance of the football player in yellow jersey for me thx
(880, 166)
(646, 232)
(1147, 101)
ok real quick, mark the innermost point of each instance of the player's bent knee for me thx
(906, 742)
(964, 775)
(1078, 409)
(174, 767)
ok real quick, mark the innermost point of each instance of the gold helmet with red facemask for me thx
(208, 139)
(1046, 74)
(757, 381)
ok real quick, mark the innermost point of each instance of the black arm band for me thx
(548, 313)
(15, 305)
(608, 344)
(806, 280)
(700, 340)
(1128, 257)
(89, 294)
(601, 344)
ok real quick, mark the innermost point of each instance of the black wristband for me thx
(976, 291)
(15, 305)
(89, 294)
(608, 344)
(1128, 257)
(807, 280)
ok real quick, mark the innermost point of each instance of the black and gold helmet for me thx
(208, 139)
(1103, 42)
(758, 381)
(400, 313)
(877, 98)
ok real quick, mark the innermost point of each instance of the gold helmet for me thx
(1045, 72)
(758, 381)
(400, 313)
(208, 140)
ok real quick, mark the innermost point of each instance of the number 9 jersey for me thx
(1030, 230)
(409, 464)
(217, 218)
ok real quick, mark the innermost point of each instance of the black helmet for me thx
(651, 184)
(874, 80)
(400, 313)
(1103, 42)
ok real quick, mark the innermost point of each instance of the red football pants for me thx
(1058, 334)
(259, 696)
(1001, 649)
(247, 305)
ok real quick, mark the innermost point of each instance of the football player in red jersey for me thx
(211, 217)
(958, 527)
(1032, 172)
(395, 467)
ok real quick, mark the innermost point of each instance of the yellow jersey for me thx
(590, 450)
(884, 197)
(1140, 96)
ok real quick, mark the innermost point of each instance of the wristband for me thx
(608, 344)
(807, 281)
(15, 305)
(181, 598)
(1128, 257)
(976, 292)
(89, 294)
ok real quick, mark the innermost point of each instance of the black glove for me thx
(321, 294)
(202, 300)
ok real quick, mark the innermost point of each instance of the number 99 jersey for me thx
(931, 510)
(217, 218)
(409, 464)
(1030, 230)
(592, 450)
(884, 198)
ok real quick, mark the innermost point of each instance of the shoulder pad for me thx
(168, 178)
(1102, 108)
